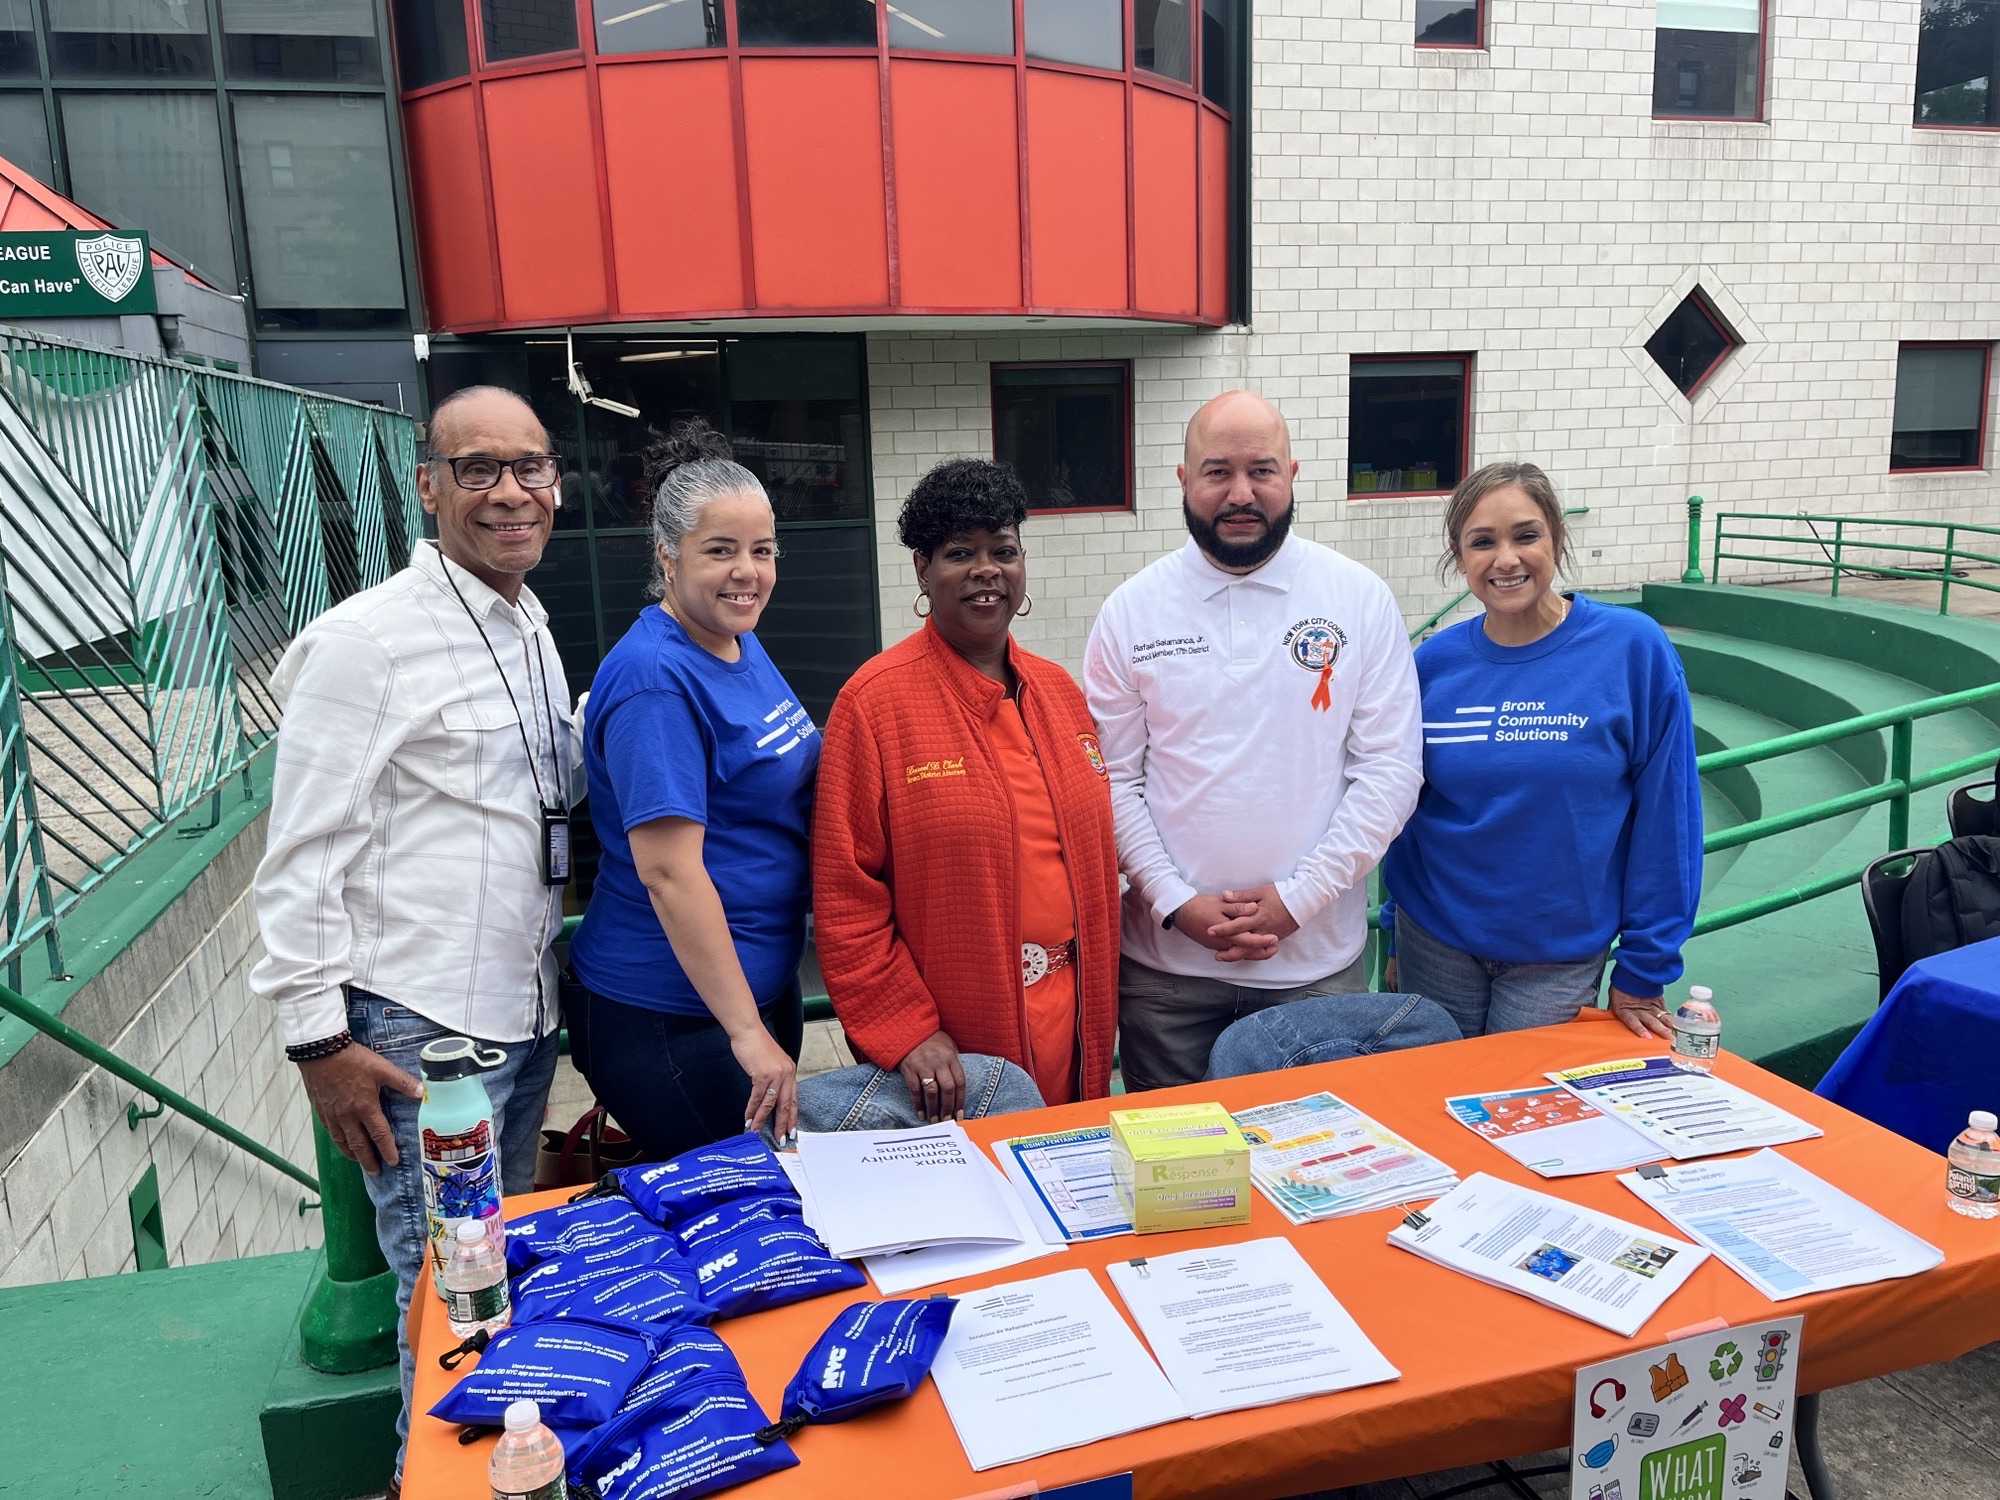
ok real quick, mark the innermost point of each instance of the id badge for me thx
(555, 847)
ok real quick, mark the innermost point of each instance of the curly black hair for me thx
(957, 496)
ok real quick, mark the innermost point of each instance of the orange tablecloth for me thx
(1486, 1373)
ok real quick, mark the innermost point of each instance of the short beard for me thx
(1238, 554)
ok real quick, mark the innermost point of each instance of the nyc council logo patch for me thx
(1316, 644)
(1094, 754)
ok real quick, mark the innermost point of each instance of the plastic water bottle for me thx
(475, 1282)
(1697, 1030)
(461, 1154)
(1973, 1178)
(527, 1462)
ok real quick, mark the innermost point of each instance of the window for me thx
(644, 26)
(953, 25)
(24, 134)
(1691, 342)
(1451, 23)
(526, 28)
(1940, 418)
(318, 211)
(1090, 32)
(1407, 421)
(805, 23)
(1708, 59)
(1163, 38)
(797, 421)
(1218, 52)
(1958, 58)
(154, 161)
(128, 39)
(306, 41)
(17, 40)
(1067, 431)
(430, 41)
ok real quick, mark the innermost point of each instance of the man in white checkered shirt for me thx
(404, 895)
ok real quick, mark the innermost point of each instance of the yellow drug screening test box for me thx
(1180, 1166)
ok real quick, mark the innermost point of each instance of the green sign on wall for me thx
(48, 273)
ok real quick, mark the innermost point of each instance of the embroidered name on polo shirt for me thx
(931, 770)
(1169, 645)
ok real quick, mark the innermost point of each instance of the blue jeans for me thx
(865, 1097)
(1485, 995)
(1327, 1028)
(519, 1089)
(1168, 1023)
(670, 1080)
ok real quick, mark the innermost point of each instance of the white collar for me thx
(427, 557)
(1278, 574)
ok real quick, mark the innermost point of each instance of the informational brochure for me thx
(1320, 1158)
(1780, 1228)
(1033, 1367)
(907, 1270)
(1245, 1325)
(1574, 1259)
(1552, 1132)
(1065, 1179)
(1706, 1417)
(876, 1192)
(1685, 1112)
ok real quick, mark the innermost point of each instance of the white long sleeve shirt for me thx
(404, 854)
(1257, 727)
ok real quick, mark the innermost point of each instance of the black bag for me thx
(1953, 897)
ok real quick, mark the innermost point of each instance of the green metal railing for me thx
(1850, 547)
(1430, 621)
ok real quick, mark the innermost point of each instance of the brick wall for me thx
(1521, 204)
(63, 1209)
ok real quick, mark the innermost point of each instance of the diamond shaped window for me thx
(1692, 342)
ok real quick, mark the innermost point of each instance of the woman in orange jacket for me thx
(965, 884)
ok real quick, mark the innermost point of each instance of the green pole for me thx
(1901, 737)
(349, 1322)
(1693, 573)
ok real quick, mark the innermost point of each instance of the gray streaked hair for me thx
(689, 467)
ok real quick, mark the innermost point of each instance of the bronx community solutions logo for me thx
(112, 264)
(1315, 644)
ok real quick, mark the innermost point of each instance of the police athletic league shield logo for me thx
(112, 264)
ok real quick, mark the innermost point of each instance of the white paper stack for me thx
(1320, 1158)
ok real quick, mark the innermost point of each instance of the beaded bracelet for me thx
(314, 1051)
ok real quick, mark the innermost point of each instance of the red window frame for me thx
(1978, 464)
(1124, 369)
(1756, 117)
(1478, 31)
(1355, 362)
(1731, 340)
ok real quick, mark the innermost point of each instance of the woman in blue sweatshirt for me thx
(1560, 809)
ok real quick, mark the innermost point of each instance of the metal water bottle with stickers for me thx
(1697, 1029)
(461, 1163)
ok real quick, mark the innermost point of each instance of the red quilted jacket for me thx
(916, 912)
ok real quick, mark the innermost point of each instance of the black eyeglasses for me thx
(532, 471)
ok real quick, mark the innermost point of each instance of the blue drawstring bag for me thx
(664, 1296)
(768, 1265)
(696, 1438)
(698, 1233)
(577, 1371)
(541, 1290)
(690, 1184)
(690, 1354)
(872, 1353)
(567, 1227)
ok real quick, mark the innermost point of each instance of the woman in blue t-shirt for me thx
(683, 1003)
(1560, 807)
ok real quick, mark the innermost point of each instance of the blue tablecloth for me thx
(1931, 1054)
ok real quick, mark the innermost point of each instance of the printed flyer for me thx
(1706, 1417)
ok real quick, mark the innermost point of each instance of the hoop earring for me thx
(920, 606)
(1027, 607)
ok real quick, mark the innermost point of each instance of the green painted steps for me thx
(1748, 870)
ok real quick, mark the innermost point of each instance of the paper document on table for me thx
(1246, 1325)
(875, 1192)
(1319, 1158)
(907, 1270)
(1065, 1179)
(1571, 1258)
(1552, 1132)
(1686, 1112)
(1783, 1230)
(1032, 1367)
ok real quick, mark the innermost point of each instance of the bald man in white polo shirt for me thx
(1258, 711)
